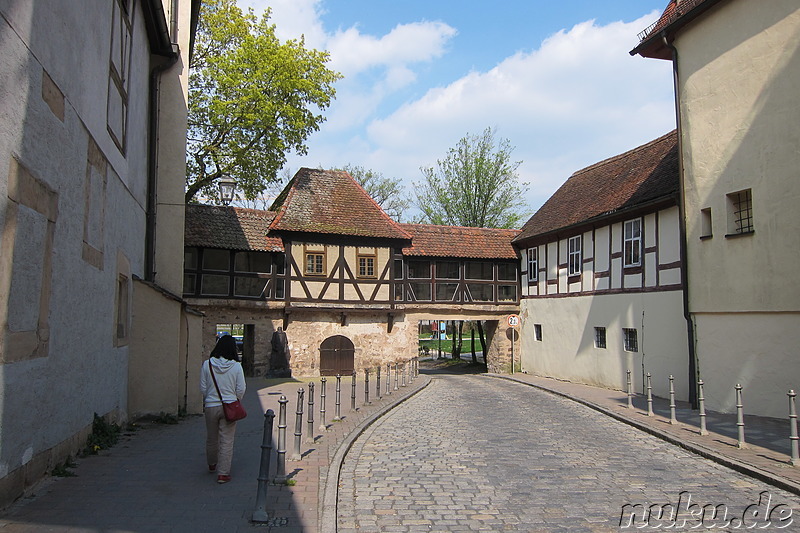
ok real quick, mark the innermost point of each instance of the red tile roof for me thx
(639, 177)
(231, 228)
(675, 15)
(454, 241)
(331, 202)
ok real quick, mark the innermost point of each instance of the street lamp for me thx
(226, 186)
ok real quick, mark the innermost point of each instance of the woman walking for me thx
(229, 376)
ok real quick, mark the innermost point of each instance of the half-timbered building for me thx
(348, 284)
(602, 289)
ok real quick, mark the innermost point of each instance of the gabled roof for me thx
(460, 242)
(637, 178)
(231, 228)
(677, 14)
(331, 202)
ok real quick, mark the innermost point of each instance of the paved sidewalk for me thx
(766, 456)
(155, 479)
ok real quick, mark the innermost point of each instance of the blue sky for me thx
(555, 78)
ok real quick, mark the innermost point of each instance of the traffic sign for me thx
(513, 321)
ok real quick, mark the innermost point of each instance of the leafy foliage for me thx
(252, 99)
(103, 436)
(475, 185)
(387, 192)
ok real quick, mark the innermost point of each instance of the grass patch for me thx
(103, 436)
(65, 469)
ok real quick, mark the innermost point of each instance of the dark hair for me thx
(226, 347)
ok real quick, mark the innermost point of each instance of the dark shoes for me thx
(212, 468)
(223, 479)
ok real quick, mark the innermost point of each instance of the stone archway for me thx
(336, 356)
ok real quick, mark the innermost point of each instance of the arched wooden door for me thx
(336, 356)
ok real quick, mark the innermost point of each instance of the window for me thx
(574, 258)
(478, 270)
(398, 269)
(446, 292)
(706, 230)
(507, 271)
(315, 264)
(366, 266)
(420, 292)
(629, 340)
(447, 270)
(260, 262)
(216, 260)
(533, 264)
(249, 287)
(215, 285)
(480, 292)
(507, 293)
(740, 212)
(599, 337)
(118, 78)
(537, 332)
(633, 242)
(419, 269)
(123, 303)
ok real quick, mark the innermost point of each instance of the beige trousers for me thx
(219, 439)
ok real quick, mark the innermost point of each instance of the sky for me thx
(553, 77)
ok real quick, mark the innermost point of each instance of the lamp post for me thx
(226, 186)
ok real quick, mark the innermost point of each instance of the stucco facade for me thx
(74, 152)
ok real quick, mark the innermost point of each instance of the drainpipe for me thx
(682, 225)
(152, 168)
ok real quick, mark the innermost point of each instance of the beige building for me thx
(347, 284)
(737, 73)
(602, 290)
(92, 147)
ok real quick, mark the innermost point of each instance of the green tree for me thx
(252, 99)
(475, 185)
(387, 192)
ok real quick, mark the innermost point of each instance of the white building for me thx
(92, 167)
(602, 289)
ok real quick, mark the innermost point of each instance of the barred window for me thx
(630, 340)
(740, 212)
(599, 337)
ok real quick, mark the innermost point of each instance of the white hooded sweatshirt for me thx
(230, 379)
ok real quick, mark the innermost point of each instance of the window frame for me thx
(574, 255)
(630, 340)
(600, 337)
(537, 332)
(635, 243)
(533, 265)
(318, 266)
(367, 269)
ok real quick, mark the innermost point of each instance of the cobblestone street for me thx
(469, 453)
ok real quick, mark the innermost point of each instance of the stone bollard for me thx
(366, 386)
(672, 418)
(649, 396)
(388, 378)
(353, 393)
(702, 400)
(338, 413)
(630, 394)
(310, 437)
(793, 439)
(740, 443)
(378, 382)
(411, 372)
(323, 425)
(280, 472)
(298, 426)
(405, 373)
(396, 377)
(260, 513)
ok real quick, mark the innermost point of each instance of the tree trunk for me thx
(472, 336)
(458, 338)
(483, 342)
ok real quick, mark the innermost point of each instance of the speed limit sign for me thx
(513, 321)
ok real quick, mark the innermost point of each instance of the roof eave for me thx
(653, 45)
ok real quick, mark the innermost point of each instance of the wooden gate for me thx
(336, 356)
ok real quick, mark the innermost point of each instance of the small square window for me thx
(537, 331)
(599, 337)
(630, 340)
(366, 266)
(315, 264)
(740, 212)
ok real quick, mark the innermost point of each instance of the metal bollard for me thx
(366, 386)
(298, 426)
(310, 437)
(323, 426)
(630, 394)
(338, 414)
(388, 378)
(740, 443)
(702, 400)
(353, 393)
(280, 472)
(411, 372)
(260, 513)
(793, 428)
(378, 382)
(672, 418)
(396, 377)
(405, 373)
(649, 396)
